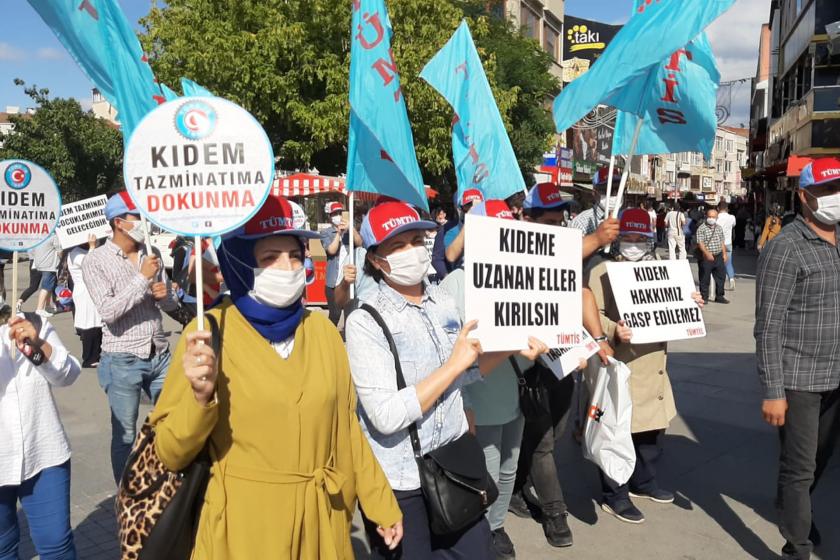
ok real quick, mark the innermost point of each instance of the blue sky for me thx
(30, 51)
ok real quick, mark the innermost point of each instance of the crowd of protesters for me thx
(299, 426)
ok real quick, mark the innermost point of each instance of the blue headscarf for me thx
(237, 263)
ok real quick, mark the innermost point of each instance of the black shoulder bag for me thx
(454, 480)
(533, 395)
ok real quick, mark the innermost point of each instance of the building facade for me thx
(803, 94)
(541, 20)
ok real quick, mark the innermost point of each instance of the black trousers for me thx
(334, 310)
(91, 345)
(34, 284)
(536, 457)
(708, 268)
(643, 479)
(808, 438)
(419, 543)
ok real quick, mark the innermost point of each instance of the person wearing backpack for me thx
(35, 451)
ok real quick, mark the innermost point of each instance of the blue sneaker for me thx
(658, 495)
(624, 510)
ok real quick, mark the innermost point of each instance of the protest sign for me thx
(654, 299)
(199, 166)
(81, 219)
(522, 279)
(30, 205)
(563, 361)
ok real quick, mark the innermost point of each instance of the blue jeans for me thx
(45, 499)
(123, 376)
(501, 452)
(730, 266)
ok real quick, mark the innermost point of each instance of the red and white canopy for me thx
(305, 184)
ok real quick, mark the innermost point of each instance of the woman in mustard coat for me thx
(277, 410)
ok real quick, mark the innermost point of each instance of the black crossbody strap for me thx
(412, 428)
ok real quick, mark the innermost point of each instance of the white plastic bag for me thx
(607, 439)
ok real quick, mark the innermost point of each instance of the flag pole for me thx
(199, 282)
(352, 236)
(626, 174)
(609, 186)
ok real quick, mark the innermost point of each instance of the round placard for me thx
(30, 205)
(199, 166)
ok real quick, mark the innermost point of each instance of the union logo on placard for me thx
(18, 176)
(195, 120)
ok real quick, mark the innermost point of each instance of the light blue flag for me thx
(192, 89)
(100, 39)
(484, 157)
(679, 106)
(168, 94)
(617, 78)
(380, 152)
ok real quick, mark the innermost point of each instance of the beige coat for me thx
(650, 387)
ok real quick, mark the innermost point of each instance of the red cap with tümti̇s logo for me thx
(389, 219)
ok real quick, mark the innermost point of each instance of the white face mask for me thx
(336, 220)
(137, 232)
(828, 208)
(278, 288)
(408, 268)
(711, 221)
(602, 202)
(633, 251)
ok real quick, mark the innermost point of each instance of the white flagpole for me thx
(626, 174)
(199, 282)
(352, 242)
(609, 187)
(15, 294)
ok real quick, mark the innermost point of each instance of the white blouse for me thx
(32, 437)
(86, 317)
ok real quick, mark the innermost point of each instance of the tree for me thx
(288, 64)
(81, 152)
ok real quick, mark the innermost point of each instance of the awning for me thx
(304, 184)
(796, 164)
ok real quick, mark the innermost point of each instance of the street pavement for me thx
(719, 458)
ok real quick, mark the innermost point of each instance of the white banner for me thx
(199, 166)
(563, 361)
(81, 219)
(522, 279)
(654, 298)
(30, 205)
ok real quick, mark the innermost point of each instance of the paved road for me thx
(720, 459)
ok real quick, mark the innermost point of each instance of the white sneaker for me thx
(44, 313)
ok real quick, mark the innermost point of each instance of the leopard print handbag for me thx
(157, 509)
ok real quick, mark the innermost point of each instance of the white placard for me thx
(81, 219)
(563, 361)
(522, 279)
(199, 166)
(654, 299)
(30, 205)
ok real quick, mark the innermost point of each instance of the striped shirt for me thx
(711, 237)
(588, 220)
(797, 313)
(123, 297)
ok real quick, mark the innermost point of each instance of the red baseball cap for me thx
(820, 171)
(636, 221)
(471, 196)
(331, 207)
(493, 209)
(546, 196)
(276, 217)
(388, 219)
(602, 176)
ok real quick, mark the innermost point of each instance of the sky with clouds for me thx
(28, 49)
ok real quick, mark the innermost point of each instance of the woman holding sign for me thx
(650, 388)
(412, 403)
(276, 410)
